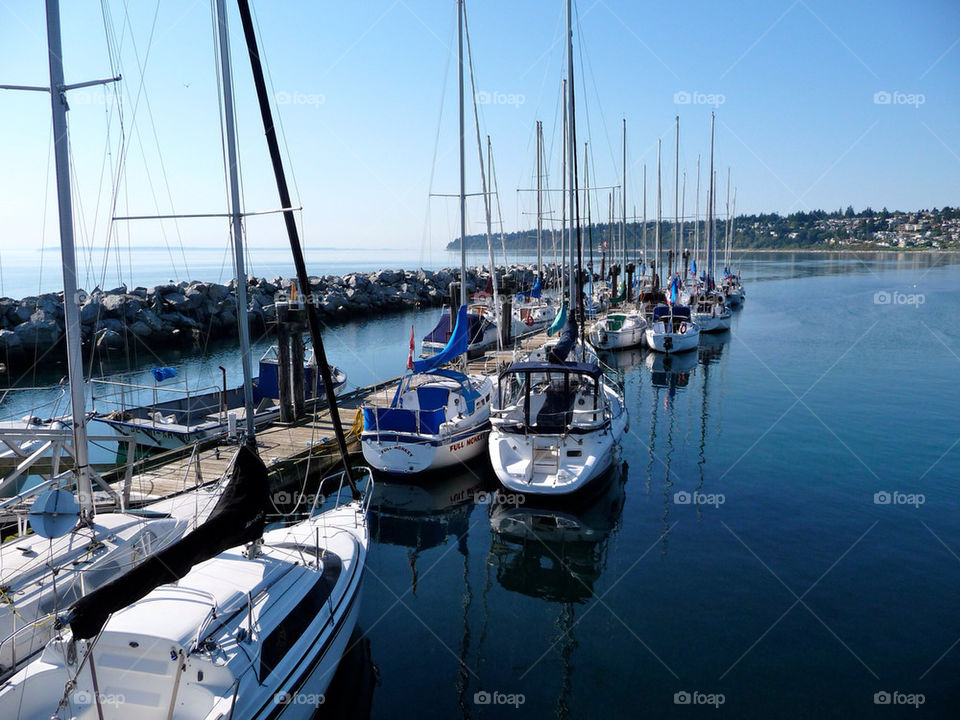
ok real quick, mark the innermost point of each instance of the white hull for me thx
(416, 455)
(667, 342)
(557, 464)
(713, 323)
(628, 335)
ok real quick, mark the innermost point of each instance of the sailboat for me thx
(73, 549)
(532, 310)
(252, 617)
(436, 417)
(618, 330)
(671, 328)
(557, 423)
(233, 620)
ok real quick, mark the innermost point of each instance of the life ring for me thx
(529, 321)
(683, 328)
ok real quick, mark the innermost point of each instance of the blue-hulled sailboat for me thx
(437, 417)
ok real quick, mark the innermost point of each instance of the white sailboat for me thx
(73, 549)
(251, 622)
(671, 328)
(557, 423)
(618, 330)
(436, 417)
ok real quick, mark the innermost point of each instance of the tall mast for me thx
(571, 178)
(676, 197)
(696, 219)
(236, 218)
(586, 191)
(293, 235)
(539, 197)
(646, 259)
(726, 238)
(623, 221)
(683, 213)
(71, 306)
(563, 197)
(488, 198)
(733, 219)
(659, 229)
(710, 207)
(463, 177)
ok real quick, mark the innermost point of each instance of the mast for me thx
(623, 216)
(710, 209)
(293, 235)
(676, 198)
(576, 296)
(643, 231)
(463, 177)
(586, 191)
(71, 307)
(563, 197)
(726, 239)
(696, 220)
(539, 197)
(683, 213)
(487, 200)
(659, 229)
(236, 218)
(733, 220)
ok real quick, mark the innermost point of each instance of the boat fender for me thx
(683, 328)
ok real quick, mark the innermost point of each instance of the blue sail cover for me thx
(559, 321)
(534, 293)
(456, 346)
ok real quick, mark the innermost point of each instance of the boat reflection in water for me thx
(556, 553)
(423, 516)
(711, 347)
(551, 551)
(671, 371)
(350, 694)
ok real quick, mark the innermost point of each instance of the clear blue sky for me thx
(798, 121)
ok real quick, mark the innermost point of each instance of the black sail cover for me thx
(568, 340)
(238, 518)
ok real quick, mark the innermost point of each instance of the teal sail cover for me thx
(559, 321)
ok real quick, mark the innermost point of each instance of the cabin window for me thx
(279, 641)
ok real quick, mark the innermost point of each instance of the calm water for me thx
(792, 590)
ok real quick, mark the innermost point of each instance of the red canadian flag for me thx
(410, 356)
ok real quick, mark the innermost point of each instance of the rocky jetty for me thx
(187, 313)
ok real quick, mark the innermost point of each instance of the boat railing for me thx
(8, 395)
(122, 397)
(366, 489)
(9, 661)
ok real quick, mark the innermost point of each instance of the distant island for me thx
(816, 230)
